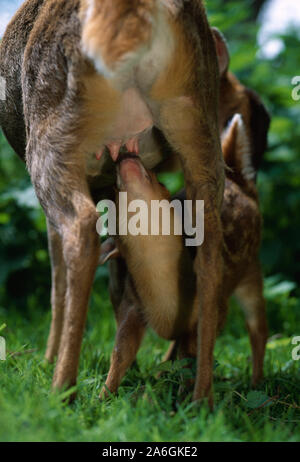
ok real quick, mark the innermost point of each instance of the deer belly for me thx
(132, 121)
(130, 129)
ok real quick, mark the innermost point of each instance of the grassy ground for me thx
(146, 409)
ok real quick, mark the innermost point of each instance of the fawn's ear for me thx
(108, 250)
(259, 125)
(222, 50)
(237, 150)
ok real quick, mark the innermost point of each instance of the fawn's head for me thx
(236, 98)
(137, 181)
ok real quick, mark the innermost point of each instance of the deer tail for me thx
(115, 32)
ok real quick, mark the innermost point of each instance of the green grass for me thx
(146, 408)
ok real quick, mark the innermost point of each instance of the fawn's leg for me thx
(58, 292)
(250, 295)
(130, 332)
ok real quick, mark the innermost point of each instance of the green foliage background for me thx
(24, 262)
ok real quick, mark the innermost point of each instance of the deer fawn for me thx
(153, 281)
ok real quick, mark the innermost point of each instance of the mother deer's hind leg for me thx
(197, 142)
(64, 194)
(81, 253)
(187, 95)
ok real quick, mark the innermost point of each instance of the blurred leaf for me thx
(281, 288)
(283, 342)
(256, 399)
